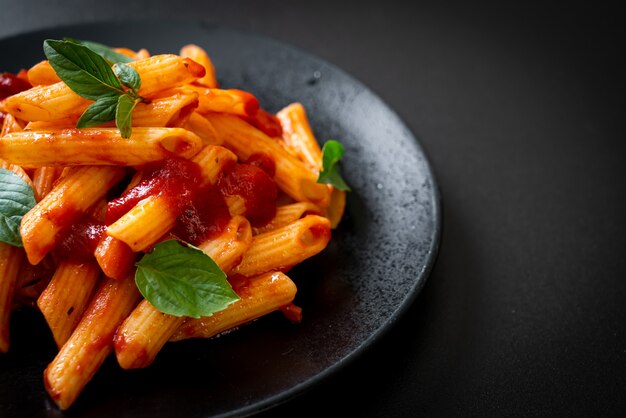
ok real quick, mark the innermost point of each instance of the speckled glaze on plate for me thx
(376, 263)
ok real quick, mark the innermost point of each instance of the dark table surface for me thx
(521, 110)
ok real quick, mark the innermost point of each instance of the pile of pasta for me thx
(92, 306)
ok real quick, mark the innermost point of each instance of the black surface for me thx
(520, 108)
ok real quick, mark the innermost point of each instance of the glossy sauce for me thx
(81, 240)
(11, 84)
(253, 182)
(267, 123)
(201, 211)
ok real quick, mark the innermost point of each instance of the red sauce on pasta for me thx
(81, 240)
(254, 185)
(11, 84)
(267, 123)
(201, 211)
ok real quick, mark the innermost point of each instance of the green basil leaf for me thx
(331, 154)
(84, 71)
(16, 199)
(123, 115)
(181, 280)
(101, 111)
(128, 76)
(107, 53)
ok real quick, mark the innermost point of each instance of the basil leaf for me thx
(182, 280)
(331, 154)
(107, 53)
(128, 76)
(123, 115)
(101, 111)
(16, 199)
(84, 71)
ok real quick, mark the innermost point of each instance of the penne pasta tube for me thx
(334, 211)
(49, 125)
(163, 72)
(298, 136)
(154, 216)
(236, 205)
(228, 248)
(74, 194)
(97, 146)
(64, 300)
(167, 111)
(9, 125)
(91, 342)
(236, 102)
(10, 262)
(284, 247)
(146, 330)
(200, 56)
(292, 176)
(31, 281)
(260, 295)
(203, 128)
(115, 257)
(212, 160)
(58, 101)
(144, 224)
(44, 179)
(42, 74)
(287, 214)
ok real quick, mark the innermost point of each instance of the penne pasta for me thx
(284, 247)
(91, 342)
(64, 300)
(292, 176)
(200, 56)
(10, 262)
(58, 101)
(42, 74)
(97, 146)
(9, 125)
(260, 295)
(144, 224)
(169, 111)
(114, 257)
(298, 136)
(73, 195)
(236, 102)
(44, 179)
(203, 128)
(287, 214)
(202, 165)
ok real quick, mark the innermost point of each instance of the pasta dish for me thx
(141, 204)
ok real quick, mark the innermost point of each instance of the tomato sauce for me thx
(253, 182)
(81, 240)
(266, 123)
(11, 84)
(201, 211)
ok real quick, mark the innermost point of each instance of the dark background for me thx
(520, 108)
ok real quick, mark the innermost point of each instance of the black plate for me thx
(374, 267)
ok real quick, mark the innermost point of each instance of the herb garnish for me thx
(16, 199)
(88, 73)
(331, 154)
(181, 280)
